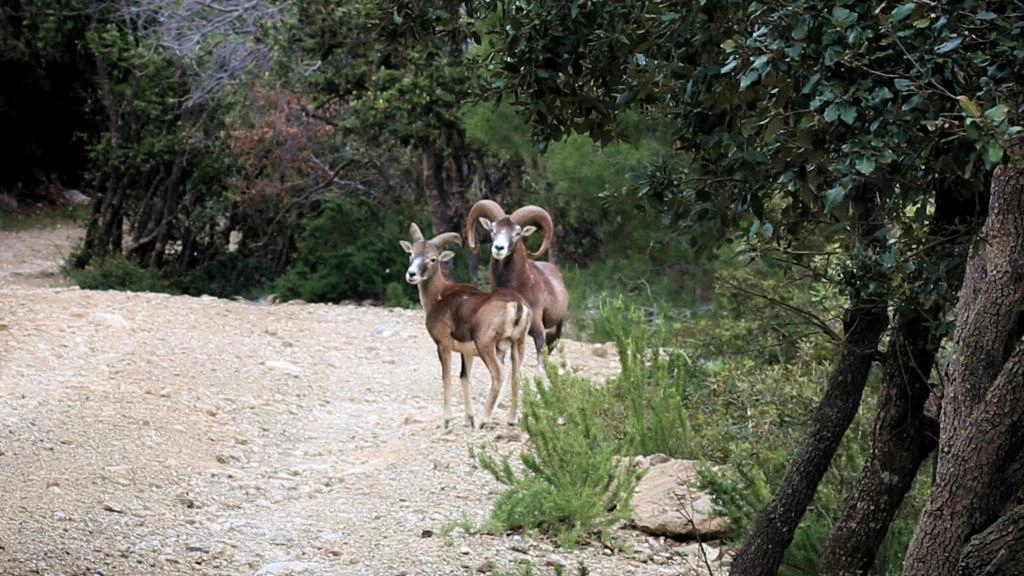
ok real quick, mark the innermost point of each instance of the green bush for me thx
(397, 294)
(116, 273)
(653, 385)
(349, 252)
(663, 292)
(573, 485)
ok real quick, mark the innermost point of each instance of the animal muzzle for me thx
(499, 251)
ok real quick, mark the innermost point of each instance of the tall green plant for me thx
(573, 486)
(653, 384)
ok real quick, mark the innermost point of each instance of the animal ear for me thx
(487, 224)
(406, 246)
(527, 230)
(446, 256)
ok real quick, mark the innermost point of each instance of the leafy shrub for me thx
(116, 273)
(663, 292)
(573, 485)
(350, 251)
(226, 274)
(396, 294)
(652, 386)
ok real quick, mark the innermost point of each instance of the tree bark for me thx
(774, 526)
(903, 437)
(983, 407)
(903, 434)
(433, 189)
(997, 550)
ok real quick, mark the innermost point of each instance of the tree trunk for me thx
(774, 526)
(983, 407)
(997, 550)
(903, 434)
(433, 189)
(903, 438)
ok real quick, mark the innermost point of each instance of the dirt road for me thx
(151, 434)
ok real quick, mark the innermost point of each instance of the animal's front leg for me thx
(537, 333)
(446, 372)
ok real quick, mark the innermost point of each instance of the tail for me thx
(522, 318)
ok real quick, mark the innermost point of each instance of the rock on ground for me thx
(667, 503)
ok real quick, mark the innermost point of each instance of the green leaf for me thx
(730, 65)
(949, 45)
(922, 22)
(842, 17)
(969, 106)
(749, 78)
(901, 12)
(848, 112)
(809, 85)
(993, 153)
(881, 94)
(800, 32)
(625, 98)
(636, 178)
(832, 112)
(902, 84)
(640, 59)
(911, 103)
(833, 197)
(865, 165)
(985, 16)
(997, 113)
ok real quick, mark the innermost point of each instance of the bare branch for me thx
(218, 41)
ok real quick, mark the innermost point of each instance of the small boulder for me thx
(667, 503)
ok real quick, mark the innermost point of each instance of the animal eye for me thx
(432, 260)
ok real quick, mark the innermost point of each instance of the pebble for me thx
(556, 560)
(286, 568)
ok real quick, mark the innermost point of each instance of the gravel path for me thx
(151, 434)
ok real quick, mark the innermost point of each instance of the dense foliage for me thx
(45, 107)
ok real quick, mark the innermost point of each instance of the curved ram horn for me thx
(414, 231)
(446, 238)
(488, 208)
(539, 216)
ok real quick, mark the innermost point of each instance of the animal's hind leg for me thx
(517, 359)
(490, 358)
(467, 367)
